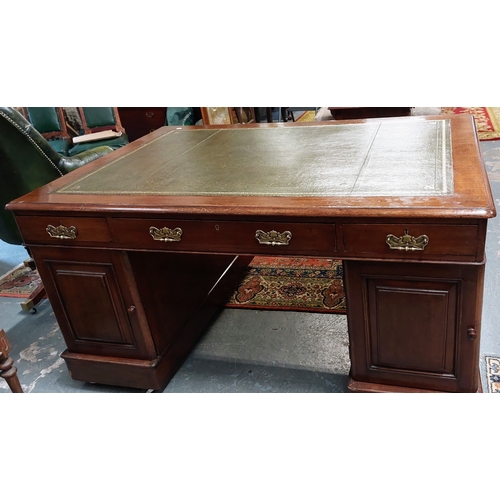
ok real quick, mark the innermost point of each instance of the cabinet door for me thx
(94, 300)
(414, 325)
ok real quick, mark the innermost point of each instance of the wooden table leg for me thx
(7, 369)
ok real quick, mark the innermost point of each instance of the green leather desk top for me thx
(379, 158)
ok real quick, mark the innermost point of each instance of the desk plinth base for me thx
(357, 386)
(139, 374)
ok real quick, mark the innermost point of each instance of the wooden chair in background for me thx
(100, 119)
(245, 115)
(227, 116)
(51, 123)
(100, 127)
(7, 369)
(285, 113)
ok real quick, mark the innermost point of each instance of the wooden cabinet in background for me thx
(141, 121)
(362, 113)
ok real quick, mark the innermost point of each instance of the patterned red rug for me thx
(487, 120)
(292, 284)
(278, 283)
(20, 282)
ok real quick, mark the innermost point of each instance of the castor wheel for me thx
(33, 310)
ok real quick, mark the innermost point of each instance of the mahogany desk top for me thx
(396, 167)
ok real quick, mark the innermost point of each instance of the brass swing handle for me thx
(273, 237)
(407, 242)
(165, 234)
(62, 232)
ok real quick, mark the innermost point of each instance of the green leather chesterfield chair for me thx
(28, 162)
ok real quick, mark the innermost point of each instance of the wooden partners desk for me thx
(138, 249)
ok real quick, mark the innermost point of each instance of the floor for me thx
(242, 351)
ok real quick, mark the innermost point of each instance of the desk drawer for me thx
(87, 230)
(438, 241)
(226, 236)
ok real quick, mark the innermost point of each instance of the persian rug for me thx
(291, 284)
(19, 282)
(493, 373)
(487, 120)
(279, 283)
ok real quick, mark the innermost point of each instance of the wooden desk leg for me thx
(7, 369)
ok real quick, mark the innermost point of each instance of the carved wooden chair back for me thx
(99, 119)
(50, 122)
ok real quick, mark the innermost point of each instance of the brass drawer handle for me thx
(407, 242)
(165, 234)
(273, 237)
(62, 232)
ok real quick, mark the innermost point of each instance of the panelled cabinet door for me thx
(97, 308)
(411, 326)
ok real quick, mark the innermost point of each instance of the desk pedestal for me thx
(131, 318)
(414, 325)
